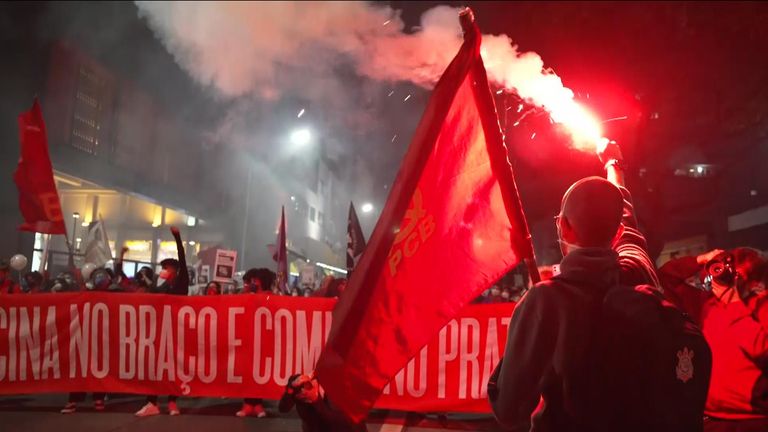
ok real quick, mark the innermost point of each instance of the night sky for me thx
(691, 78)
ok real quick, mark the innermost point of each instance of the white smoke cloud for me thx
(242, 48)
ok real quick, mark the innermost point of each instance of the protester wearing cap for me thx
(724, 292)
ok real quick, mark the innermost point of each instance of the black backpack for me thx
(652, 365)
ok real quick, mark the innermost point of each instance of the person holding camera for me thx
(316, 412)
(724, 293)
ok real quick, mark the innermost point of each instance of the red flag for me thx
(38, 198)
(281, 256)
(355, 240)
(451, 226)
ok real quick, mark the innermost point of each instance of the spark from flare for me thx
(615, 119)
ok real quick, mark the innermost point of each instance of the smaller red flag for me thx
(38, 198)
(281, 256)
(355, 240)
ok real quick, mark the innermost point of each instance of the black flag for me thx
(355, 240)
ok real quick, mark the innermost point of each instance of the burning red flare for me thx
(586, 130)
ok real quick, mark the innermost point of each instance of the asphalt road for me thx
(40, 413)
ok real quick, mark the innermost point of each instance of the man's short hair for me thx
(593, 207)
(4, 265)
(751, 263)
(170, 262)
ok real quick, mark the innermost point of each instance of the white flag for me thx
(97, 249)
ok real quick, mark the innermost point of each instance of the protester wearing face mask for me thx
(724, 292)
(101, 280)
(213, 288)
(34, 282)
(173, 279)
(257, 281)
(144, 280)
(64, 282)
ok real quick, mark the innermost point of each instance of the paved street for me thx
(33, 413)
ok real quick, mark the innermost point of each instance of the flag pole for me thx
(497, 151)
(44, 258)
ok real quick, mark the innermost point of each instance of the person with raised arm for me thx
(174, 280)
(594, 347)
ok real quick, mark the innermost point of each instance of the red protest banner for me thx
(230, 346)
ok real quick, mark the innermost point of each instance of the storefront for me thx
(135, 222)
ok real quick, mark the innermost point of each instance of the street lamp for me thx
(301, 137)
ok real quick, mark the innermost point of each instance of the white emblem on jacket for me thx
(684, 367)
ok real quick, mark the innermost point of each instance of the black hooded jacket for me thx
(547, 351)
(541, 382)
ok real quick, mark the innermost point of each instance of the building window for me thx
(87, 109)
(311, 214)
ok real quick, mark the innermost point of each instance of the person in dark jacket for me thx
(174, 280)
(316, 412)
(256, 281)
(144, 280)
(35, 282)
(541, 387)
(100, 280)
(732, 310)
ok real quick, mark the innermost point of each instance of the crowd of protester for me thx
(560, 374)
(173, 280)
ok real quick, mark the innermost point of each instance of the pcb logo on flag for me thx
(417, 227)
